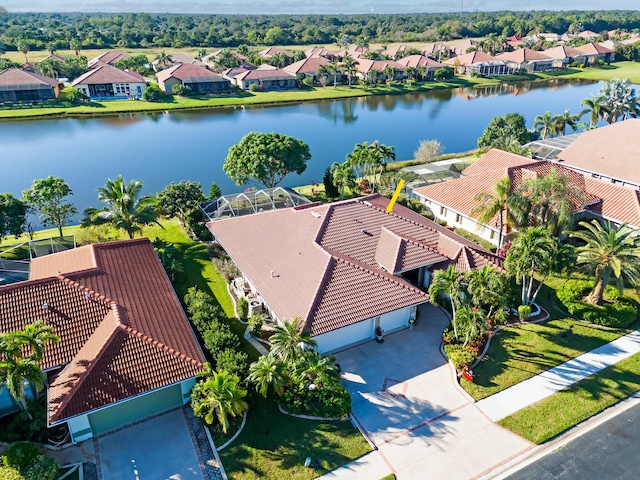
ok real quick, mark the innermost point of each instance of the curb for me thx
(230, 441)
(310, 417)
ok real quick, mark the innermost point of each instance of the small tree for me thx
(443, 73)
(219, 397)
(13, 215)
(214, 191)
(511, 125)
(179, 200)
(330, 188)
(152, 93)
(428, 150)
(447, 283)
(267, 158)
(48, 196)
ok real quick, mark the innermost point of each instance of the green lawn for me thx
(555, 414)
(275, 446)
(523, 351)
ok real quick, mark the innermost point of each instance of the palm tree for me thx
(411, 72)
(608, 252)
(359, 158)
(343, 177)
(380, 158)
(75, 45)
(15, 372)
(267, 372)
(334, 69)
(551, 198)
(562, 121)
(125, 208)
(349, 65)
(220, 396)
(535, 251)
(488, 288)
(278, 60)
(317, 370)
(511, 144)
(545, 125)
(37, 336)
(503, 203)
(323, 71)
(619, 95)
(24, 48)
(390, 72)
(344, 41)
(373, 76)
(163, 58)
(289, 341)
(595, 109)
(447, 283)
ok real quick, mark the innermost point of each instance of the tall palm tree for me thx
(504, 203)
(349, 65)
(219, 397)
(411, 72)
(488, 288)
(323, 71)
(267, 372)
(562, 121)
(344, 41)
(125, 208)
(595, 109)
(380, 158)
(545, 125)
(511, 144)
(359, 158)
(448, 283)
(289, 342)
(36, 336)
(76, 46)
(343, 177)
(389, 72)
(14, 371)
(373, 76)
(551, 198)
(608, 252)
(163, 58)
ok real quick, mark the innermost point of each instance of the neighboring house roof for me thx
(320, 52)
(461, 47)
(588, 34)
(561, 52)
(211, 58)
(265, 74)
(416, 61)
(12, 78)
(365, 65)
(600, 197)
(610, 44)
(611, 151)
(523, 55)
(470, 58)
(271, 51)
(107, 74)
(349, 251)
(109, 58)
(395, 50)
(594, 49)
(54, 57)
(307, 65)
(121, 326)
(355, 49)
(189, 74)
(181, 58)
(432, 48)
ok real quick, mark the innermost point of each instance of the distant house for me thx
(176, 59)
(421, 61)
(264, 77)
(515, 41)
(53, 57)
(268, 53)
(108, 58)
(436, 50)
(397, 51)
(211, 58)
(595, 52)
(344, 268)
(546, 37)
(198, 79)
(588, 34)
(18, 85)
(463, 47)
(321, 52)
(307, 67)
(479, 62)
(527, 59)
(564, 55)
(110, 83)
(355, 51)
(374, 69)
(126, 350)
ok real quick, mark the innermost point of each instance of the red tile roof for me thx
(109, 58)
(470, 58)
(11, 77)
(522, 55)
(271, 51)
(340, 247)
(563, 51)
(121, 326)
(416, 61)
(185, 71)
(308, 65)
(365, 65)
(105, 74)
(265, 73)
(593, 49)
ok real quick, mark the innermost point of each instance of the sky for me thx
(306, 6)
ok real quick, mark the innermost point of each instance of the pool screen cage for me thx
(252, 201)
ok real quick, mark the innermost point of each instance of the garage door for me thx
(134, 409)
(345, 336)
(394, 320)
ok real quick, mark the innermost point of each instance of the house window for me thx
(442, 210)
(458, 218)
(492, 234)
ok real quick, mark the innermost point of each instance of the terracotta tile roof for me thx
(105, 74)
(432, 48)
(320, 52)
(121, 326)
(14, 77)
(308, 65)
(109, 58)
(593, 49)
(395, 50)
(619, 204)
(184, 72)
(265, 73)
(461, 47)
(496, 159)
(563, 51)
(522, 55)
(271, 51)
(470, 58)
(612, 151)
(416, 61)
(54, 57)
(322, 262)
(365, 65)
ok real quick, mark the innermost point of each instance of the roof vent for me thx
(366, 232)
(315, 214)
(87, 296)
(45, 306)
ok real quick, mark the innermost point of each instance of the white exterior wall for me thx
(395, 320)
(459, 220)
(79, 428)
(119, 89)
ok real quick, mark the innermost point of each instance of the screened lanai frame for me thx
(252, 201)
(550, 148)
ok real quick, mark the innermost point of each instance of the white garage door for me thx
(345, 336)
(394, 320)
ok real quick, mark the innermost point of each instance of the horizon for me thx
(303, 7)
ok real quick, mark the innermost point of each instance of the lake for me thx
(168, 147)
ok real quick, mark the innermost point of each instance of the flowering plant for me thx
(379, 331)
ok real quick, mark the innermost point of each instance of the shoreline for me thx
(300, 96)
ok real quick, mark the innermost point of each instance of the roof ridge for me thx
(87, 291)
(319, 293)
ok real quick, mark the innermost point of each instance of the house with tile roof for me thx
(265, 77)
(463, 46)
(200, 80)
(564, 55)
(374, 69)
(126, 348)
(595, 52)
(177, 59)
(527, 59)
(321, 52)
(19, 85)
(344, 268)
(480, 63)
(421, 61)
(268, 53)
(307, 66)
(110, 83)
(454, 200)
(107, 58)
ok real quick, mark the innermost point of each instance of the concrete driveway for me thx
(157, 448)
(406, 400)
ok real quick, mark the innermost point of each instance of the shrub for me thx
(243, 308)
(209, 314)
(152, 93)
(443, 73)
(254, 87)
(476, 239)
(329, 187)
(332, 400)
(233, 361)
(196, 300)
(42, 468)
(523, 312)
(255, 324)
(219, 337)
(20, 455)
(308, 81)
(459, 355)
(8, 473)
(75, 96)
(442, 222)
(182, 90)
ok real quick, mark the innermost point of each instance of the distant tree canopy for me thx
(143, 30)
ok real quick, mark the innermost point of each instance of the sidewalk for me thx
(521, 395)
(368, 467)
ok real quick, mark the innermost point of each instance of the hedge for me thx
(617, 311)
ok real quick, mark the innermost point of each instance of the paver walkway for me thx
(547, 383)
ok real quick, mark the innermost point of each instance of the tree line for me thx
(60, 31)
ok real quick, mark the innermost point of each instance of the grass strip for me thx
(561, 411)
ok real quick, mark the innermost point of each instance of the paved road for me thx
(609, 451)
